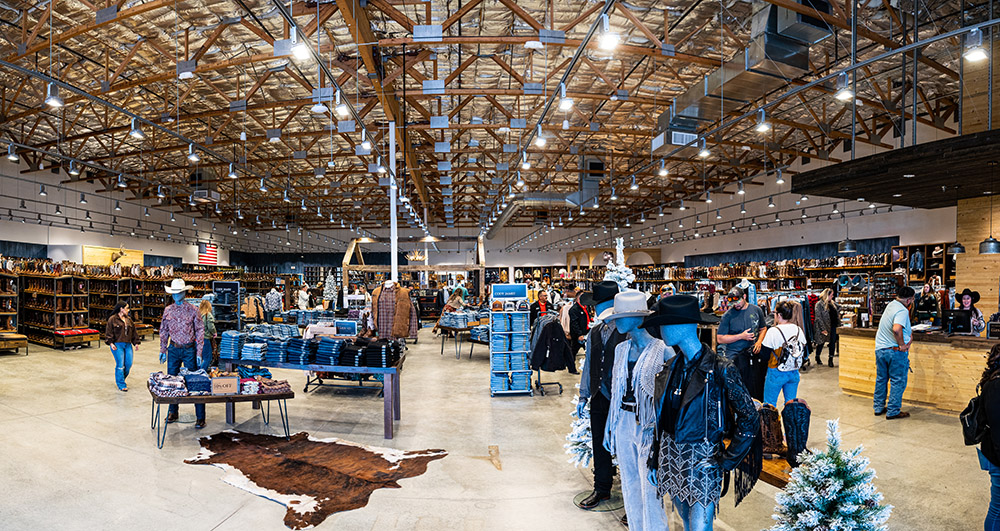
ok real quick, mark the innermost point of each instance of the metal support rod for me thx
(854, 78)
(916, 37)
(393, 222)
(989, 83)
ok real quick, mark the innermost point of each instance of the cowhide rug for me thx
(312, 478)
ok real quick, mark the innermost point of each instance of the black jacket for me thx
(551, 351)
(991, 405)
(715, 404)
(602, 357)
(536, 310)
(578, 325)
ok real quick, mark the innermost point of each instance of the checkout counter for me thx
(945, 370)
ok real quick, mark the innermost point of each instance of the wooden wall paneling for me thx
(974, 271)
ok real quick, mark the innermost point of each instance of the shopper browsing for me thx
(738, 332)
(539, 307)
(989, 448)
(208, 318)
(579, 320)
(595, 387)
(892, 351)
(121, 337)
(825, 309)
(785, 342)
(303, 297)
(182, 337)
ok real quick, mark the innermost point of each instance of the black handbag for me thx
(973, 420)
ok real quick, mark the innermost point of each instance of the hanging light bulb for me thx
(136, 131)
(192, 154)
(704, 152)
(366, 144)
(718, 215)
(660, 212)
(682, 208)
(11, 155)
(539, 139)
(770, 202)
(762, 124)
(118, 205)
(804, 198)
(285, 198)
(232, 171)
(780, 179)
(525, 163)
(159, 192)
(614, 196)
(300, 50)
(146, 212)
(41, 190)
(743, 208)
(708, 197)
(341, 107)
(172, 218)
(520, 180)
(974, 51)
(52, 98)
(697, 219)
(634, 185)
(303, 207)
(565, 102)
(121, 181)
(58, 211)
(262, 187)
(608, 40)
(663, 168)
(83, 198)
(740, 190)
(835, 209)
(73, 168)
(844, 92)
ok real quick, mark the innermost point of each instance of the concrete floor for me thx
(75, 453)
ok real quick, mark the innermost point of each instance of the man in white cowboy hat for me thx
(631, 426)
(182, 334)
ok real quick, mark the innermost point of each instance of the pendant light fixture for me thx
(136, 131)
(780, 179)
(634, 185)
(762, 124)
(193, 155)
(232, 171)
(341, 107)
(74, 170)
(990, 245)
(608, 40)
(41, 190)
(11, 155)
(52, 98)
(974, 51)
(847, 246)
(83, 198)
(366, 144)
(663, 168)
(565, 103)
(844, 92)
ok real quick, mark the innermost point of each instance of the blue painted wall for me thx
(816, 250)
(24, 250)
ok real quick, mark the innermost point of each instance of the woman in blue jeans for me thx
(786, 340)
(121, 337)
(989, 448)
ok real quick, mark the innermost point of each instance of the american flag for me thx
(208, 254)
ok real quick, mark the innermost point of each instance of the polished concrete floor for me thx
(75, 453)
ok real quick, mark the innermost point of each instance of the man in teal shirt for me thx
(892, 354)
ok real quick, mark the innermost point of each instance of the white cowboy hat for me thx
(177, 285)
(629, 304)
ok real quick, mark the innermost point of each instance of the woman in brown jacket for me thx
(121, 336)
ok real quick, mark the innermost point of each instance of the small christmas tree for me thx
(580, 441)
(831, 491)
(617, 271)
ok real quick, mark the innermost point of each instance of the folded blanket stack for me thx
(249, 386)
(273, 387)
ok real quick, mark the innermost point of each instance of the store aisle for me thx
(78, 454)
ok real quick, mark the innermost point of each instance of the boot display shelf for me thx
(55, 310)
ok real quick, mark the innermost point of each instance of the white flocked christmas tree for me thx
(831, 491)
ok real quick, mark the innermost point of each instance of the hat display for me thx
(969, 292)
(177, 285)
(603, 292)
(628, 304)
(675, 309)
(523, 306)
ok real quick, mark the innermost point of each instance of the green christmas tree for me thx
(831, 491)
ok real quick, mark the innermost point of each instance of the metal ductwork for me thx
(778, 53)
(529, 200)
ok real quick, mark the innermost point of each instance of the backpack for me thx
(973, 420)
(789, 351)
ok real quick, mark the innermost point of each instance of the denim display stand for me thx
(159, 424)
(510, 339)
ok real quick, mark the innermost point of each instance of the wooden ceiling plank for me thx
(125, 61)
(394, 14)
(627, 13)
(457, 15)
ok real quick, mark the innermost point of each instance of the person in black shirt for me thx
(540, 307)
(989, 448)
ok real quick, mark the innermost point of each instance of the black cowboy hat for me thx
(672, 310)
(969, 292)
(603, 292)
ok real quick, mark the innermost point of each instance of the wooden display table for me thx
(390, 385)
(155, 422)
(945, 370)
(11, 341)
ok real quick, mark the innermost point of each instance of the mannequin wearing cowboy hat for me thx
(630, 430)
(182, 334)
(694, 394)
(595, 386)
(967, 301)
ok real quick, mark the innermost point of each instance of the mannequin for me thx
(630, 430)
(694, 394)
(595, 385)
(392, 312)
(182, 336)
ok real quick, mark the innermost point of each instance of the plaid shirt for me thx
(272, 302)
(182, 324)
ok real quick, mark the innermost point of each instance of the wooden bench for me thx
(161, 426)
(775, 472)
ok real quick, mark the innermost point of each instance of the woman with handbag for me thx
(989, 447)
(787, 342)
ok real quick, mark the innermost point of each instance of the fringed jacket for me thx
(715, 405)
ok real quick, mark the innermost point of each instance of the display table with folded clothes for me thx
(357, 360)
(195, 387)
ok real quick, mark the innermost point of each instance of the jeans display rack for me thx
(510, 341)
(229, 295)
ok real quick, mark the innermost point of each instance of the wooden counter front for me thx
(944, 374)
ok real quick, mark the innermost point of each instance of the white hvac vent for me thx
(679, 138)
(207, 196)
